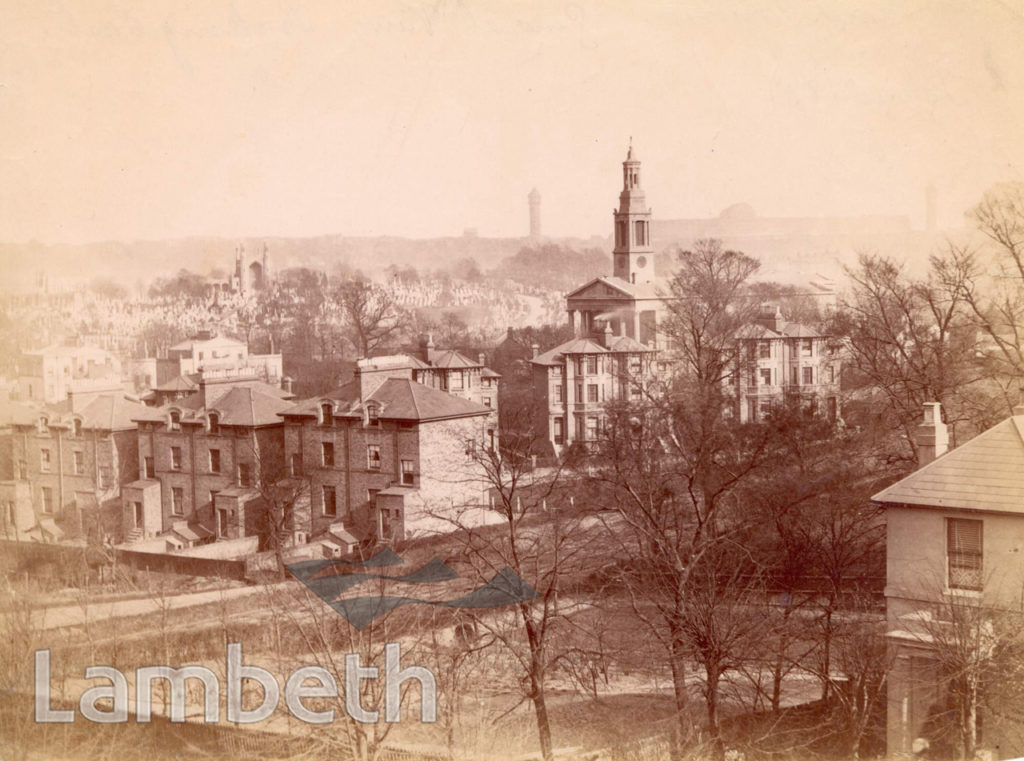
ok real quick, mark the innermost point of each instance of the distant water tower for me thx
(534, 199)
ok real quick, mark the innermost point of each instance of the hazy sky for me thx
(161, 119)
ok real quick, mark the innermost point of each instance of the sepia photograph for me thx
(507, 380)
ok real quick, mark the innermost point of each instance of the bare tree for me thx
(371, 316)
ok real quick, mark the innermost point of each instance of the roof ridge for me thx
(944, 457)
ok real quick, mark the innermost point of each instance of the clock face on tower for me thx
(641, 262)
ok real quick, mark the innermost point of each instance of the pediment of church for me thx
(600, 288)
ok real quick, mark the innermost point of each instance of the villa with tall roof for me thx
(391, 457)
(955, 558)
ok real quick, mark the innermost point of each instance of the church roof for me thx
(630, 290)
(983, 474)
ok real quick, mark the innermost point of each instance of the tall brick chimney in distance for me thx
(427, 350)
(931, 437)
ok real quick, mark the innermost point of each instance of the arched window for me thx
(213, 421)
(174, 421)
(373, 413)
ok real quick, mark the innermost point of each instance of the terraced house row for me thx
(396, 451)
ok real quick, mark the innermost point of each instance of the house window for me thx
(559, 393)
(214, 420)
(490, 439)
(215, 461)
(765, 375)
(557, 371)
(245, 475)
(591, 428)
(174, 421)
(592, 392)
(22, 470)
(752, 410)
(455, 381)
(373, 414)
(79, 463)
(831, 374)
(806, 347)
(808, 378)
(44, 460)
(148, 467)
(296, 465)
(592, 365)
(327, 454)
(559, 425)
(330, 501)
(833, 408)
(177, 501)
(963, 553)
(794, 375)
(175, 458)
(76, 428)
(47, 495)
(579, 392)
(41, 426)
(106, 477)
(487, 401)
(764, 350)
(326, 414)
(373, 456)
(408, 472)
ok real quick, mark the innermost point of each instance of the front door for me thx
(139, 518)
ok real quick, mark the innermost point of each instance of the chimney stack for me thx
(931, 437)
(606, 336)
(286, 384)
(481, 358)
(535, 348)
(427, 350)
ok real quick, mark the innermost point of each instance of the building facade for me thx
(203, 460)
(777, 360)
(573, 381)
(955, 559)
(389, 457)
(75, 457)
(49, 375)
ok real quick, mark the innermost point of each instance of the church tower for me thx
(633, 254)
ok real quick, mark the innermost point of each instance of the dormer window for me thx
(42, 425)
(213, 423)
(326, 414)
(373, 413)
(76, 427)
(174, 421)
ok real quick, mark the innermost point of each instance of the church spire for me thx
(633, 254)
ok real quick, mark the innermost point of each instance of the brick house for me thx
(387, 456)
(75, 456)
(955, 541)
(779, 359)
(573, 381)
(454, 373)
(201, 460)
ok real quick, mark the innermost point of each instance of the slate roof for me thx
(986, 473)
(108, 412)
(619, 344)
(179, 384)
(449, 359)
(756, 331)
(240, 405)
(399, 399)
